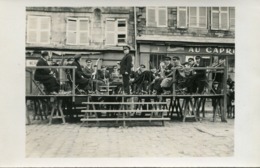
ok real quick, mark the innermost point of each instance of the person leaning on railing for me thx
(46, 76)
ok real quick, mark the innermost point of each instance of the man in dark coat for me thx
(46, 76)
(80, 77)
(125, 68)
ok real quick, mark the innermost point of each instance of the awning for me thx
(191, 39)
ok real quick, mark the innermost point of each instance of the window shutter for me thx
(151, 16)
(232, 17)
(224, 18)
(32, 25)
(215, 18)
(71, 31)
(193, 17)
(44, 30)
(110, 32)
(182, 17)
(121, 31)
(203, 17)
(83, 31)
(162, 17)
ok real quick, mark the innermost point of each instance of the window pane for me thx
(224, 21)
(121, 23)
(83, 38)
(215, 8)
(71, 39)
(32, 36)
(182, 18)
(202, 22)
(162, 17)
(32, 23)
(193, 11)
(121, 36)
(224, 8)
(215, 22)
(203, 11)
(83, 25)
(121, 41)
(110, 25)
(45, 23)
(44, 37)
(151, 17)
(72, 25)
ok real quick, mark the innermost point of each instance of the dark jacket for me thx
(42, 74)
(126, 64)
(79, 72)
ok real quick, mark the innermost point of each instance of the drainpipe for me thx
(136, 53)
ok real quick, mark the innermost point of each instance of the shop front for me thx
(152, 54)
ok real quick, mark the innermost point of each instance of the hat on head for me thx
(70, 59)
(45, 53)
(88, 60)
(103, 66)
(126, 46)
(175, 57)
(198, 57)
(142, 65)
(77, 56)
(167, 58)
(191, 59)
(215, 82)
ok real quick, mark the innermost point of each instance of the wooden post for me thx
(73, 85)
(224, 81)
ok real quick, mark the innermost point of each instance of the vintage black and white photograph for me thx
(140, 81)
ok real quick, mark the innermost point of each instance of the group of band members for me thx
(154, 81)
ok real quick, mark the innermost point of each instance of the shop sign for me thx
(31, 63)
(211, 50)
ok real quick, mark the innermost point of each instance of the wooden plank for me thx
(121, 111)
(126, 103)
(125, 119)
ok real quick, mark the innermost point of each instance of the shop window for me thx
(182, 17)
(77, 31)
(38, 29)
(116, 31)
(232, 18)
(219, 18)
(198, 17)
(156, 17)
(156, 59)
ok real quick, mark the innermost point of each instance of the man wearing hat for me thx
(103, 74)
(46, 76)
(167, 81)
(125, 68)
(81, 79)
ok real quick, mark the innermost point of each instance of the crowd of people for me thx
(185, 77)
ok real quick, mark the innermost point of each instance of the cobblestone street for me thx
(139, 139)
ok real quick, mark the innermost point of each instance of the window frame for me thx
(157, 8)
(77, 30)
(116, 32)
(220, 18)
(38, 29)
(178, 15)
(230, 28)
(198, 17)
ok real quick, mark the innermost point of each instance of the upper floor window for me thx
(219, 18)
(116, 31)
(198, 17)
(77, 31)
(182, 17)
(156, 16)
(232, 18)
(38, 29)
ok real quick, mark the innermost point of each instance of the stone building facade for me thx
(186, 32)
(93, 32)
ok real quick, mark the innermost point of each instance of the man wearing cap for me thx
(80, 77)
(167, 81)
(103, 74)
(125, 68)
(46, 76)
